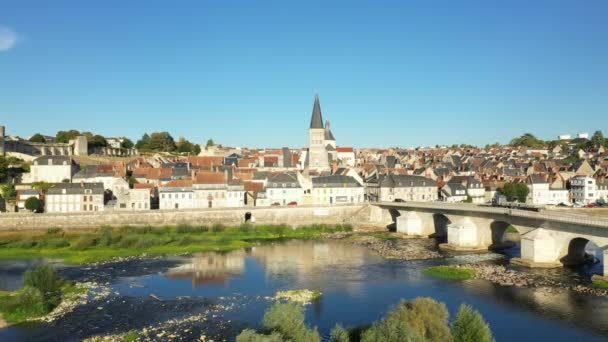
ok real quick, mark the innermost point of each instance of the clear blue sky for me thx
(402, 73)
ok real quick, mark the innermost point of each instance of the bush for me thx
(246, 227)
(54, 243)
(105, 236)
(85, 241)
(339, 334)
(46, 280)
(27, 302)
(469, 326)
(128, 241)
(53, 231)
(33, 204)
(217, 227)
(249, 335)
(391, 329)
(27, 243)
(288, 320)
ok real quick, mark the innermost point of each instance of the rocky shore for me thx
(396, 247)
(502, 276)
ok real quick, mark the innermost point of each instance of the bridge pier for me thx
(538, 249)
(409, 223)
(463, 236)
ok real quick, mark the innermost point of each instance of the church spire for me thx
(316, 121)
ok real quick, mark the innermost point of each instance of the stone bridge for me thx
(548, 239)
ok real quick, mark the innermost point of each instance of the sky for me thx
(245, 73)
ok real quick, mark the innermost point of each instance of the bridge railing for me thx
(545, 216)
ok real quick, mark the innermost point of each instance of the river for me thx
(227, 291)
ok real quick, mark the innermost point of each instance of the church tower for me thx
(317, 154)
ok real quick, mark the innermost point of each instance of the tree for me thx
(288, 320)
(196, 150)
(96, 141)
(515, 191)
(210, 143)
(132, 182)
(37, 138)
(528, 140)
(8, 192)
(10, 167)
(46, 280)
(597, 139)
(469, 326)
(184, 146)
(66, 136)
(126, 143)
(33, 204)
(339, 334)
(142, 143)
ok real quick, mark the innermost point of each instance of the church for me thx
(321, 142)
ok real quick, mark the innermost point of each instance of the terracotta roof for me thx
(143, 186)
(180, 183)
(210, 178)
(254, 186)
(206, 161)
(345, 149)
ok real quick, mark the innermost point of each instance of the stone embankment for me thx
(502, 276)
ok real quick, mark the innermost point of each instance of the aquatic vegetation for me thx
(83, 246)
(600, 284)
(450, 273)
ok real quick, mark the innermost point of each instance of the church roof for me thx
(328, 134)
(316, 121)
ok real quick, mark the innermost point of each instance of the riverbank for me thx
(392, 245)
(107, 243)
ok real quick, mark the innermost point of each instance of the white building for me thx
(210, 190)
(235, 194)
(542, 194)
(454, 192)
(346, 156)
(407, 188)
(52, 169)
(96, 174)
(336, 189)
(73, 197)
(284, 189)
(177, 194)
(137, 198)
(583, 189)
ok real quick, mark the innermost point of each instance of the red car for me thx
(292, 203)
(590, 205)
(275, 204)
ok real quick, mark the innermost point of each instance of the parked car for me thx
(577, 205)
(398, 200)
(292, 203)
(590, 205)
(564, 204)
(275, 204)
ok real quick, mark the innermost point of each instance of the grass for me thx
(79, 247)
(511, 229)
(450, 273)
(600, 284)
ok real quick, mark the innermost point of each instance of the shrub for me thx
(217, 227)
(246, 227)
(249, 335)
(54, 243)
(128, 241)
(46, 280)
(339, 334)
(184, 229)
(427, 317)
(141, 230)
(53, 231)
(186, 240)
(131, 336)
(469, 326)
(391, 329)
(33, 204)
(85, 241)
(27, 302)
(27, 243)
(288, 320)
(105, 236)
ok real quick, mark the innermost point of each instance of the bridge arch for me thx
(580, 251)
(394, 214)
(440, 225)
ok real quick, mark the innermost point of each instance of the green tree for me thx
(528, 140)
(515, 191)
(46, 280)
(210, 142)
(339, 334)
(33, 204)
(196, 150)
(10, 167)
(249, 335)
(66, 136)
(42, 186)
(142, 144)
(8, 192)
(132, 182)
(126, 143)
(597, 139)
(96, 141)
(184, 146)
(470, 326)
(392, 328)
(288, 320)
(37, 138)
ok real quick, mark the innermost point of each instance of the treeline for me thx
(420, 320)
(529, 140)
(94, 140)
(164, 142)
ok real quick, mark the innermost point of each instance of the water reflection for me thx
(210, 268)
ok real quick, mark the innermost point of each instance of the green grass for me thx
(450, 273)
(600, 284)
(511, 229)
(108, 243)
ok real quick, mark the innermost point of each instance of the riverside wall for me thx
(294, 216)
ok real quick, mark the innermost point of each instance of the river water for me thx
(358, 286)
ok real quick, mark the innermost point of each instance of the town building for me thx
(583, 189)
(74, 197)
(284, 189)
(177, 194)
(51, 169)
(336, 189)
(407, 188)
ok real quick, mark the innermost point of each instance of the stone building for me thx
(321, 141)
(73, 197)
(336, 189)
(407, 188)
(51, 169)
